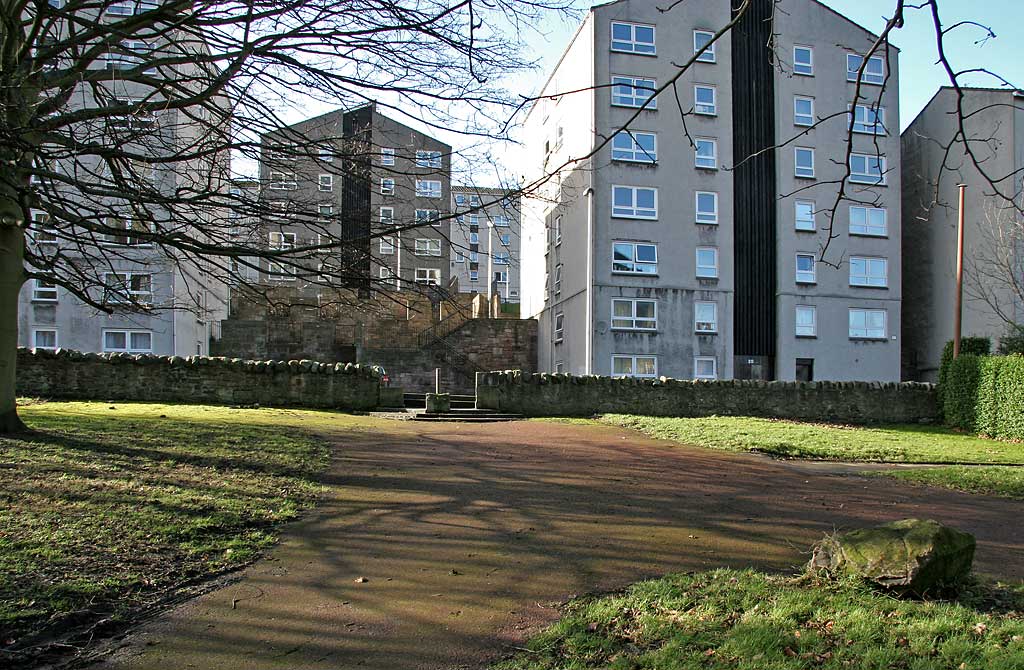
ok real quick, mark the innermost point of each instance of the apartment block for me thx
(485, 241)
(364, 194)
(698, 232)
(153, 300)
(935, 161)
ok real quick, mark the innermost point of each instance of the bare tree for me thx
(994, 273)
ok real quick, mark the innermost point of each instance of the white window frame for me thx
(428, 159)
(129, 227)
(128, 348)
(501, 221)
(387, 275)
(633, 211)
(633, 259)
(633, 360)
(35, 338)
(800, 172)
(325, 182)
(865, 333)
(705, 268)
(44, 291)
(387, 186)
(703, 326)
(557, 284)
(280, 240)
(801, 119)
(282, 181)
(800, 67)
(709, 55)
(502, 258)
(387, 156)
(428, 216)
(633, 45)
(387, 245)
(386, 216)
(867, 177)
(427, 246)
(704, 217)
(808, 276)
(853, 62)
(859, 119)
(428, 276)
(558, 328)
(43, 232)
(326, 154)
(704, 108)
(428, 188)
(641, 92)
(798, 219)
(474, 275)
(705, 162)
(128, 295)
(805, 330)
(868, 229)
(697, 360)
(627, 148)
(863, 275)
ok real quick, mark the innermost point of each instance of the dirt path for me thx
(469, 536)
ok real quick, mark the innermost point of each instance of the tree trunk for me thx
(12, 276)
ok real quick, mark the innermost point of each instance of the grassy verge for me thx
(105, 508)
(1005, 482)
(790, 439)
(751, 621)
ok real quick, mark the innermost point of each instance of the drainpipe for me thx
(588, 369)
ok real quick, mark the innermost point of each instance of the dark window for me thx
(805, 369)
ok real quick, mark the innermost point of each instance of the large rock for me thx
(909, 556)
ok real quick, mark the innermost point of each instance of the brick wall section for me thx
(87, 376)
(845, 402)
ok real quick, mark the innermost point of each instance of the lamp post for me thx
(958, 317)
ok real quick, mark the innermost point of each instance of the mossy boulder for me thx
(911, 556)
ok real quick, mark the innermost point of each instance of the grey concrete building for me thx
(693, 253)
(934, 163)
(175, 304)
(352, 186)
(485, 241)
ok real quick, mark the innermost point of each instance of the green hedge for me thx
(985, 394)
(977, 346)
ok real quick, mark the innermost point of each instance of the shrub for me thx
(977, 346)
(1012, 342)
(985, 394)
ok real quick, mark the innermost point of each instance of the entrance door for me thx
(805, 369)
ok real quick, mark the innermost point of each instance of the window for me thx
(558, 279)
(505, 239)
(633, 146)
(325, 211)
(387, 216)
(707, 207)
(874, 71)
(129, 225)
(559, 328)
(702, 38)
(44, 339)
(868, 221)
(867, 169)
(128, 287)
(280, 272)
(705, 367)
(281, 241)
(502, 258)
(873, 272)
(804, 159)
(705, 317)
(634, 92)
(706, 155)
(474, 256)
(326, 154)
(387, 156)
(707, 263)
(868, 120)
(806, 321)
(633, 38)
(428, 159)
(44, 291)
(43, 231)
(326, 182)
(805, 269)
(474, 238)
(428, 247)
(283, 181)
(128, 341)
(705, 100)
(474, 275)
(803, 111)
(387, 186)
(803, 61)
(634, 202)
(634, 258)
(387, 246)
(559, 367)
(429, 276)
(387, 276)
(804, 215)
(460, 257)
(501, 277)
(501, 221)
(128, 55)
(428, 188)
(867, 324)
(425, 216)
(626, 365)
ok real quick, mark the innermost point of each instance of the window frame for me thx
(876, 129)
(697, 265)
(697, 360)
(281, 181)
(798, 64)
(325, 182)
(634, 318)
(865, 177)
(558, 327)
(813, 272)
(128, 333)
(630, 101)
(714, 100)
(697, 322)
(635, 153)
(427, 246)
(798, 118)
(622, 212)
(44, 291)
(387, 156)
(387, 186)
(425, 188)
(714, 153)
(129, 296)
(35, 338)
(875, 78)
(633, 360)
(424, 217)
(813, 311)
(866, 228)
(387, 245)
(633, 259)
(866, 330)
(388, 220)
(44, 233)
(796, 163)
(632, 39)
(713, 216)
(431, 276)
(709, 55)
(813, 218)
(865, 279)
(427, 158)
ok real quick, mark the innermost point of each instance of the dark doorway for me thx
(805, 369)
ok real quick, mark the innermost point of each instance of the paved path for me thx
(469, 536)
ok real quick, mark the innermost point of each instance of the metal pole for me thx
(437, 380)
(957, 322)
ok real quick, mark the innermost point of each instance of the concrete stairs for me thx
(463, 409)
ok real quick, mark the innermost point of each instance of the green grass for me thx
(790, 439)
(752, 621)
(104, 506)
(1005, 482)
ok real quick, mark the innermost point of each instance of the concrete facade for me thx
(578, 290)
(485, 241)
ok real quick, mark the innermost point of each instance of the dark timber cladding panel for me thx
(754, 182)
(355, 194)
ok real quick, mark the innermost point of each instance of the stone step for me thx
(460, 417)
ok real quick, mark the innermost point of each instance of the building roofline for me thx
(1017, 93)
(847, 19)
(565, 51)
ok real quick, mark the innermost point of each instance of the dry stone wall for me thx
(226, 381)
(568, 395)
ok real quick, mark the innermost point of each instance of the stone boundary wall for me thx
(66, 374)
(845, 402)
